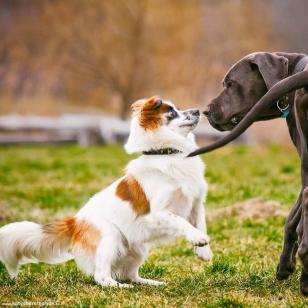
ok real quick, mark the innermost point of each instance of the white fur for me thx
(175, 188)
(23, 242)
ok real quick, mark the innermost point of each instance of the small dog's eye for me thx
(173, 114)
(228, 84)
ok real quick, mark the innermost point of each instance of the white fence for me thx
(76, 128)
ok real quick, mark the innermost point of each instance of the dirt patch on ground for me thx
(250, 209)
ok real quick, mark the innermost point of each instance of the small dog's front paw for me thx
(204, 253)
(199, 239)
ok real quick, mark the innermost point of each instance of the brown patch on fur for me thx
(149, 116)
(130, 190)
(80, 233)
(60, 229)
(86, 236)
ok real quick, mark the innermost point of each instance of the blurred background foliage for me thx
(99, 56)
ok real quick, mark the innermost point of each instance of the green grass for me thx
(47, 183)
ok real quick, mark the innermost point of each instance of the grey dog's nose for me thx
(206, 111)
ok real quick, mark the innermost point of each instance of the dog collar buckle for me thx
(283, 106)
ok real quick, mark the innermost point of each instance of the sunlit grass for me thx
(43, 184)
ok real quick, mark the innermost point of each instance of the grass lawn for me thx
(47, 183)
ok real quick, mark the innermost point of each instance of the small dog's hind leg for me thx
(12, 270)
(108, 251)
(133, 276)
(150, 282)
(132, 268)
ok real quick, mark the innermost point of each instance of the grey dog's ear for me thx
(272, 66)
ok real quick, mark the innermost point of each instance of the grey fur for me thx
(257, 82)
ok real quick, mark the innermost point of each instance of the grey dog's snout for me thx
(206, 111)
(213, 112)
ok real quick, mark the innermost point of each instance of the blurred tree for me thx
(109, 53)
(104, 49)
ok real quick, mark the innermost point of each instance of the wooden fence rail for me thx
(76, 128)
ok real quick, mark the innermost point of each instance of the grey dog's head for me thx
(243, 85)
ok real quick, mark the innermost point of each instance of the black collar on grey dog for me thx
(164, 151)
(283, 106)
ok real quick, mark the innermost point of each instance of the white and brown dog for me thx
(159, 198)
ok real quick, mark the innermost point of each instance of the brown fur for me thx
(130, 190)
(80, 233)
(86, 236)
(149, 118)
(60, 229)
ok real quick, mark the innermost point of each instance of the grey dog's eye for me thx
(234, 120)
(228, 84)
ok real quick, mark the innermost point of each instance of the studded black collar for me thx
(164, 151)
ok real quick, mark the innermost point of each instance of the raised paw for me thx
(198, 239)
(204, 253)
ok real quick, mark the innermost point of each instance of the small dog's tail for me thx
(28, 242)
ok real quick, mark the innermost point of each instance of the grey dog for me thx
(264, 86)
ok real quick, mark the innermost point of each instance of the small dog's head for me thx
(154, 113)
(158, 123)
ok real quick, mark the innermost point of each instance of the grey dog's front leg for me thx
(303, 245)
(301, 108)
(287, 261)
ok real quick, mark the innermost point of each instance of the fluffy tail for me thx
(28, 242)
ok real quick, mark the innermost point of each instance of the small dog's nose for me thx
(206, 111)
(195, 112)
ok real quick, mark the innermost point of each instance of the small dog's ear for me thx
(137, 105)
(272, 67)
(157, 104)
